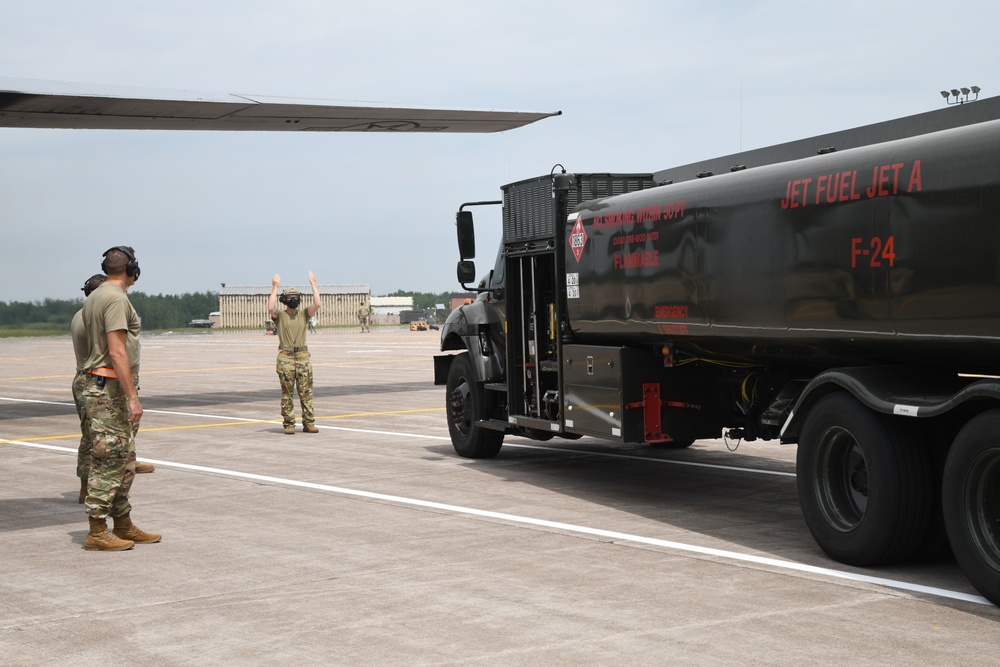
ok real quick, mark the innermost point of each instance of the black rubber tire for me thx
(465, 402)
(970, 498)
(864, 482)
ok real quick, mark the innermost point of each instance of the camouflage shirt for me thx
(291, 327)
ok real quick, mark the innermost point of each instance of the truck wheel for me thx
(970, 497)
(864, 482)
(466, 405)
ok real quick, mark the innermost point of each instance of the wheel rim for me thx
(460, 407)
(841, 479)
(982, 502)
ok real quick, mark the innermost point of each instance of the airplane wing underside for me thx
(48, 104)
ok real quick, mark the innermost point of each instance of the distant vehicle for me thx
(419, 325)
(200, 324)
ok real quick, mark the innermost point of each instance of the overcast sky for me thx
(643, 85)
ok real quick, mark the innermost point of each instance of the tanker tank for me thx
(886, 253)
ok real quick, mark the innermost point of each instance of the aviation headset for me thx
(131, 269)
(290, 296)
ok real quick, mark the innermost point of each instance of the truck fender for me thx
(467, 329)
(893, 390)
(442, 362)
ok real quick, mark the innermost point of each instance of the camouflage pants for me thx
(112, 464)
(295, 371)
(86, 439)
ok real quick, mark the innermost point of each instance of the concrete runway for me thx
(372, 543)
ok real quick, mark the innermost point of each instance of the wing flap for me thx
(64, 106)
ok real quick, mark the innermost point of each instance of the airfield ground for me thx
(371, 543)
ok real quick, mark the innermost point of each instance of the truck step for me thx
(494, 425)
(496, 386)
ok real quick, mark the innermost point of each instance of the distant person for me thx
(312, 324)
(294, 364)
(111, 403)
(82, 350)
(364, 312)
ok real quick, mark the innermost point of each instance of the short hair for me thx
(92, 283)
(115, 260)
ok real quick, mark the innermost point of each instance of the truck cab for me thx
(519, 346)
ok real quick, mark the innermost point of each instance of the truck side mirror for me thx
(466, 235)
(466, 272)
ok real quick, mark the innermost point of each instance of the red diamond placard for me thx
(578, 238)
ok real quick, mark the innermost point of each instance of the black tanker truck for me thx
(840, 292)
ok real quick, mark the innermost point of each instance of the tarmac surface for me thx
(372, 543)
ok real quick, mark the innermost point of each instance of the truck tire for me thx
(864, 482)
(466, 405)
(970, 498)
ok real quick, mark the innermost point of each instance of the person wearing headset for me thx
(81, 348)
(111, 404)
(294, 364)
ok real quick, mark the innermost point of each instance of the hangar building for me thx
(386, 309)
(245, 306)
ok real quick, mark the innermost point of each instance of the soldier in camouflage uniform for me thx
(364, 312)
(111, 404)
(294, 364)
(81, 348)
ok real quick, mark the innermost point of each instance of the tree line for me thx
(425, 300)
(160, 311)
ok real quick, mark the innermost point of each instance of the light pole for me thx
(961, 95)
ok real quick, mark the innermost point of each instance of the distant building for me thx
(458, 298)
(245, 306)
(386, 309)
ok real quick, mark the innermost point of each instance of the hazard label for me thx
(578, 238)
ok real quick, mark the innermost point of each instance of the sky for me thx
(642, 85)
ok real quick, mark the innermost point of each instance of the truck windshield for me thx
(496, 280)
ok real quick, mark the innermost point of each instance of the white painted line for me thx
(567, 527)
(648, 459)
(346, 429)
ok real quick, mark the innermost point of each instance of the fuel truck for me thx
(841, 293)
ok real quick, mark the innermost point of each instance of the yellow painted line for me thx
(387, 412)
(225, 368)
(147, 429)
(34, 358)
(271, 366)
(40, 438)
(278, 421)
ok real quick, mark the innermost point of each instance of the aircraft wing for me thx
(50, 104)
